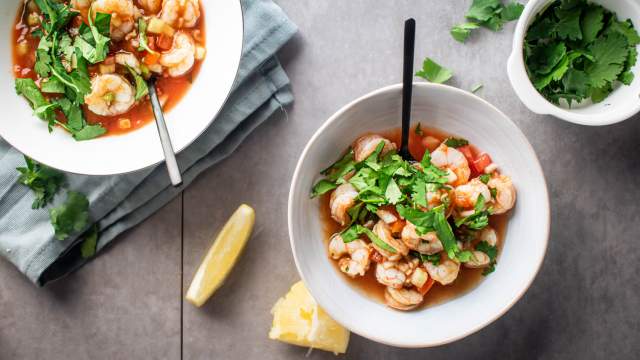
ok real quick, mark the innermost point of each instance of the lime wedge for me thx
(222, 256)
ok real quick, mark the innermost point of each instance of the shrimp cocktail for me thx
(414, 233)
(83, 65)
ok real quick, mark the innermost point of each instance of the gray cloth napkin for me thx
(122, 201)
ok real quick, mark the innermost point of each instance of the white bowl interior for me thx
(456, 112)
(620, 105)
(137, 149)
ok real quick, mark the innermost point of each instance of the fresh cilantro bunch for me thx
(491, 14)
(389, 180)
(576, 50)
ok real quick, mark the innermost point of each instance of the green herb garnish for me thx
(492, 252)
(575, 50)
(434, 72)
(70, 217)
(491, 14)
(142, 37)
(43, 180)
(456, 143)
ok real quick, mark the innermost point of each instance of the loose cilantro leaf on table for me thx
(462, 31)
(434, 72)
(90, 243)
(70, 217)
(576, 50)
(43, 180)
(491, 14)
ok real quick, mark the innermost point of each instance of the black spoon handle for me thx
(407, 84)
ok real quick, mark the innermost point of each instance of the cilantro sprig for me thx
(43, 180)
(575, 50)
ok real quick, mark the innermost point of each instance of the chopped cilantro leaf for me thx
(70, 217)
(433, 72)
(461, 32)
(90, 243)
(142, 37)
(456, 143)
(321, 187)
(42, 180)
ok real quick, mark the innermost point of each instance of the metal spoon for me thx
(407, 86)
(165, 140)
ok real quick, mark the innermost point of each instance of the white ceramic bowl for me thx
(137, 149)
(457, 112)
(622, 104)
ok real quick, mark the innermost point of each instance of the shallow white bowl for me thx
(622, 104)
(137, 149)
(459, 113)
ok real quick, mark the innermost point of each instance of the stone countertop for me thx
(127, 302)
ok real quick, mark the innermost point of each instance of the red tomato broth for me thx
(367, 285)
(141, 113)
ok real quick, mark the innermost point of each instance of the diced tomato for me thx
(466, 151)
(397, 226)
(164, 42)
(376, 257)
(110, 60)
(482, 162)
(426, 287)
(151, 58)
(151, 42)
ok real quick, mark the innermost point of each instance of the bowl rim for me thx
(532, 99)
(176, 150)
(395, 88)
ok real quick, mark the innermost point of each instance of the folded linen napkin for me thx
(122, 201)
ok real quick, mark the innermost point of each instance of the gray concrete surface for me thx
(125, 304)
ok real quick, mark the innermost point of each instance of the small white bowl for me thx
(140, 148)
(622, 104)
(457, 112)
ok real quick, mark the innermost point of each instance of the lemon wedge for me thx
(222, 256)
(298, 320)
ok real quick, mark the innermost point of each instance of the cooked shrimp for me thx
(181, 57)
(505, 194)
(489, 235)
(382, 230)
(81, 5)
(367, 144)
(425, 244)
(402, 299)
(128, 59)
(123, 15)
(436, 197)
(387, 273)
(342, 199)
(180, 13)
(110, 95)
(151, 6)
(445, 272)
(357, 263)
(465, 196)
(454, 162)
(478, 260)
